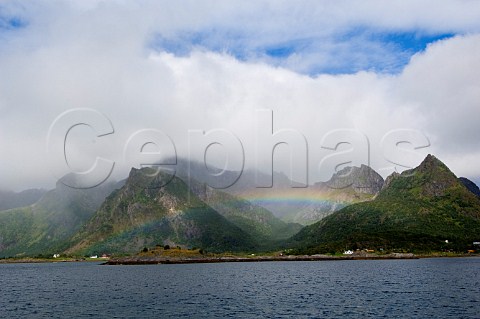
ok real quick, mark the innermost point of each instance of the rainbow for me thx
(294, 197)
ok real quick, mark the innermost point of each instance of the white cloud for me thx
(97, 56)
(444, 85)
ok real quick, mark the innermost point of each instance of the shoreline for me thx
(45, 261)
(141, 260)
(207, 260)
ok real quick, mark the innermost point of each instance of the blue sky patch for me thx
(411, 41)
(358, 49)
(12, 23)
(213, 40)
(280, 51)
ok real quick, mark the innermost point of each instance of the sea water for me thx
(423, 288)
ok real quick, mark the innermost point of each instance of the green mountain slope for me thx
(145, 213)
(43, 227)
(260, 223)
(418, 210)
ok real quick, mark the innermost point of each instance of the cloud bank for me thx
(362, 67)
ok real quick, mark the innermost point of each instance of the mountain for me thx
(9, 200)
(423, 209)
(311, 204)
(155, 208)
(43, 228)
(244, 185)
(347, 186)
(286, 200)
(361, 180)
(260, 223)
(471, 186)
(47, 226)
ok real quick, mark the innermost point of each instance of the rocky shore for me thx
(197, 260)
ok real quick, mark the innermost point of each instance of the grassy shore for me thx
(160, 255)
(33, 260)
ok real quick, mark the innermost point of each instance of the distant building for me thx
(348, 252)
(56, 255)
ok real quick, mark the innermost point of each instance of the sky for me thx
(334, 82)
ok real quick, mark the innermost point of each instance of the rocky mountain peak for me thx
(431, 178)
(389, 179)
(431, 163)
(362, 179)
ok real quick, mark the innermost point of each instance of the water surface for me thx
(425, 288)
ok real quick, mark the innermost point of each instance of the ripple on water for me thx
(425, 288)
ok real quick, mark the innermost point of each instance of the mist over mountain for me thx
(349, 185)
(287, 199)
(9, 199)
(256, 220)
(181, 213)
(43, 228)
